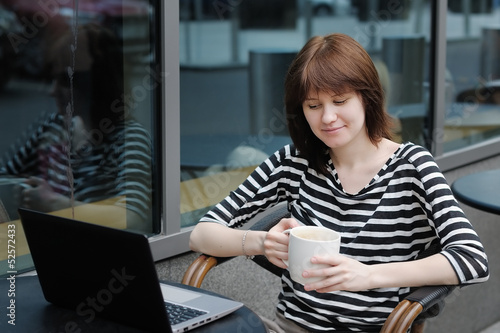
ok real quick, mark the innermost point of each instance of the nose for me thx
(329, 114)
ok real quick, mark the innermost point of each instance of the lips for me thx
(333, 129)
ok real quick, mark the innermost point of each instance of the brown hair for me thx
(333, 63)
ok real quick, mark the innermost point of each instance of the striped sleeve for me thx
(268, 184)
(24, 158)
(460, 243)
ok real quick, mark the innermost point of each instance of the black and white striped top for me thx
(405, 209)
(110, 163)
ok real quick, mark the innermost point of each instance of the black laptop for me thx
(110, 273)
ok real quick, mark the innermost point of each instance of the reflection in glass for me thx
(233, 60)
(78, 114)
(473, 74)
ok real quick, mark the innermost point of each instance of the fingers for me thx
(30, 191)
(341, 273)
(332, 279)
(276, 242)
(328, 284)
(277, 262)
(285, 224)
(276, 245)
(331, 260)
(289, 223)
(33, 181)
(26, 195)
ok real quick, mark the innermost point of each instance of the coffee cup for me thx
(306, 242)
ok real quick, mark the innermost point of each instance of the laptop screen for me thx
(96, 271)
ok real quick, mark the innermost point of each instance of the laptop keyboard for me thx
(178, 313)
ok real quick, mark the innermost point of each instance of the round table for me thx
(480, 190)
(32, 313)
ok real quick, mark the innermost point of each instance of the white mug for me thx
(306, 242)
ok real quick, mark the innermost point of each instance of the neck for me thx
(353, 155)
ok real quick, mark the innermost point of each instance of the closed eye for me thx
(340, 102)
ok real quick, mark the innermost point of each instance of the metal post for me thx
(268, 68)
(490, 54)
(404, 58)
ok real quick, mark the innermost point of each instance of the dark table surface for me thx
(480, 190)
(34, 314)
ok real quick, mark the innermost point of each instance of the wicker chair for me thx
(422, 303)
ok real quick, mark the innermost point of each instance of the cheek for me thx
(312, 117)
(354, 115)
(313, 124)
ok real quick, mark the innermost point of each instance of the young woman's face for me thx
(337, 120)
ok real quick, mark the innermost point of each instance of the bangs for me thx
(327, 73)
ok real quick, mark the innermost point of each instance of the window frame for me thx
(171, 240)
(174, 240)
(460, 157)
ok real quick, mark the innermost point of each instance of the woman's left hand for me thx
(343, 274)
(38, 195)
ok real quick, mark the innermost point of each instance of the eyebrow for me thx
(342, 95)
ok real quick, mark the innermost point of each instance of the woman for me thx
(389, 201)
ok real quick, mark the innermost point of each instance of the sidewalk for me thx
(492, 329)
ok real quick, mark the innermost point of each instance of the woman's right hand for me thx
(276, 242)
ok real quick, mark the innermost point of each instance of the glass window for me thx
(472, 73)
(79, 106)
(233, 60)
(199, 84)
